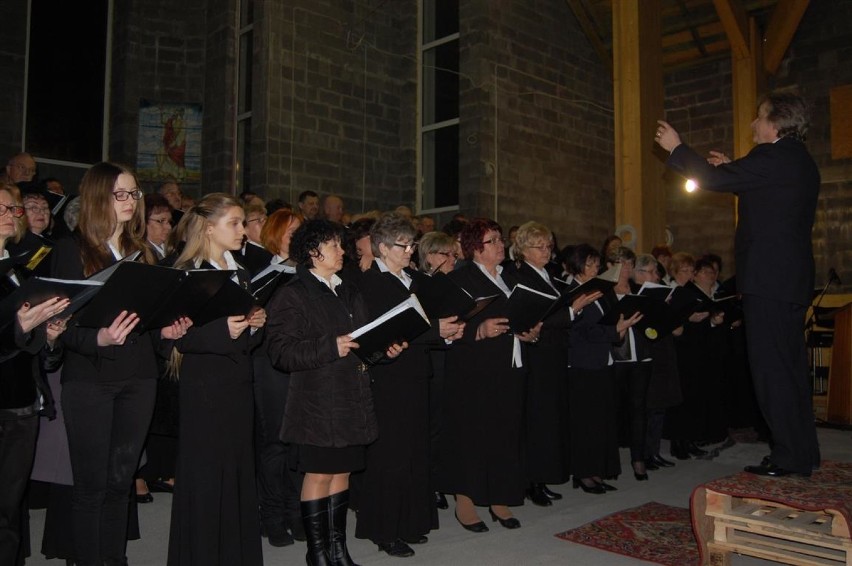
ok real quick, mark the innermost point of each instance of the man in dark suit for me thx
(777, 184)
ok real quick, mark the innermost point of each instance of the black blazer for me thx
(84, 359)
(778, 185)
(255, 258)
(591, 342)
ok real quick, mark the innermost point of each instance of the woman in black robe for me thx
(591, 382)
(214, 509)
(481, 446)
(547, 442)
(395, 502)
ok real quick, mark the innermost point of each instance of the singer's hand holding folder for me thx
(402, 323)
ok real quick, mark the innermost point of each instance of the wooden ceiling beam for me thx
(590, 32)
(735, 21)
(780, 31)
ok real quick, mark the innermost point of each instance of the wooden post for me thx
(640, 199)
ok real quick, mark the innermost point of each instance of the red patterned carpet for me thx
(653, 532)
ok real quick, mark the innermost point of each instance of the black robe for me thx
(547, 442)
(481, 450)
(214, 508)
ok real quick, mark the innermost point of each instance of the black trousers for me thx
(779, 367)
(632, 379)
(106, 423)
(17, 450)
(279, 485)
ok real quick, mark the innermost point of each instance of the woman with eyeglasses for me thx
(395, 500)
(158, 224)
(592, 407)
(214, 508)
(26, 352)
(109, 375)
(481, 445)
(546, 419)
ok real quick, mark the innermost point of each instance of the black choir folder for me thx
(403, 323)
(160, 295)
(442, 297)
(531, 307)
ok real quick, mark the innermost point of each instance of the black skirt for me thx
(328, 460)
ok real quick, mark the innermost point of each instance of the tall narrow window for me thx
(439, 114)
(245, 41)
(66, 74)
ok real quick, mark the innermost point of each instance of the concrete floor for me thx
(534, 543)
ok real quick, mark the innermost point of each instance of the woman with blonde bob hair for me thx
(214, 509)
(109, 374)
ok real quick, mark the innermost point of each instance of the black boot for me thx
(315, 519)
(338, 507)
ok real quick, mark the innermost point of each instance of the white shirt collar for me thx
(331, 284)
(403, 276)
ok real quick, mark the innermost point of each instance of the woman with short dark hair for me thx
(329, 415)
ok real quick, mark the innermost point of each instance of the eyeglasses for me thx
(408, 248)
(645, 270)
(17, 211)
(495, 240)
(161, 221)
(37, 209)
(122, 196)
(545, 247)
(447, 254)
(260, 219)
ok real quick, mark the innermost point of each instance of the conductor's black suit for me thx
(777, 184)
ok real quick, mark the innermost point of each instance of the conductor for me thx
(777, 184)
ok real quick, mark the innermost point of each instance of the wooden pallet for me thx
(775, 532)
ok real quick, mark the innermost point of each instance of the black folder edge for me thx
(372, 356)
(533, 310)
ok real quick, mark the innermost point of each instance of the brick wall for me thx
(553, 120)
(337, 111)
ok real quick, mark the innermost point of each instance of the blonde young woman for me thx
(214, 510)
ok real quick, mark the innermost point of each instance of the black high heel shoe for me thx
(606, 486)
(640, 476)
(597, 488)
(510, 523)
(478, 527)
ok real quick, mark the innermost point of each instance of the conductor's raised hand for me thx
(30, 317)
(450, 328)
(718, 158)
(236, 326)
(396, 349)
(177, 330)
(666, 136)
(116, 333)
(345, 344)
(625, 323)
(257, 318)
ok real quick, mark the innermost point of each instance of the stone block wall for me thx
(536, 120)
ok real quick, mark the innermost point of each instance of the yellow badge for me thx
(650, 333)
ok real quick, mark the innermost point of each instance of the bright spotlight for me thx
(690, 186)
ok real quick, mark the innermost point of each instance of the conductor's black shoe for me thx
(441, 501)
(537, 496)
(396, 548)
(550, 494)
(767, 468)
